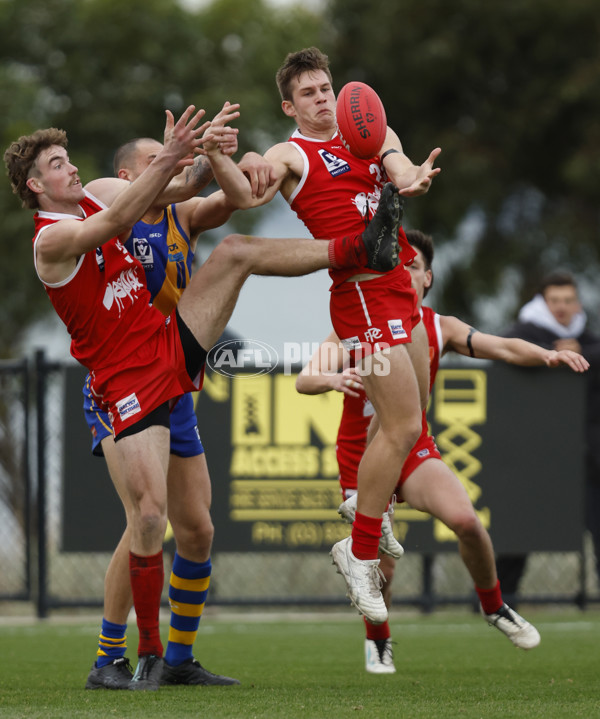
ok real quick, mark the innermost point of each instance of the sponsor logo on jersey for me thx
(351, 343)
(142, 251)
(126, 286)
(335, 165)
(128, 406)
(100, 259)
(374, 333)
(397, 329)
(423, 453)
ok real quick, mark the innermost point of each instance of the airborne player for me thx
(326, 186)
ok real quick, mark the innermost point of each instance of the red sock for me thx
(377, 631)
(147, 578)
(347, 251)
(491, 599)
(366, 533)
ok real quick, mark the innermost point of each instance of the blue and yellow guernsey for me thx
(166, 255)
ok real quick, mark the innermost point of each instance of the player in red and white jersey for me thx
(426, 482)
(374, 315)
(147, 361)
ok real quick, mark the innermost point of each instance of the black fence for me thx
(271, 457)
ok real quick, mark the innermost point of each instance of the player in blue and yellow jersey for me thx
(164, 241)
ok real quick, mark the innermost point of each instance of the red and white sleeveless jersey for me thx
(431, 321)
(338, 194)
(104, 303)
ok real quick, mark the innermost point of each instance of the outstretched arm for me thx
(234, 183)
(409, 178)
(326, 371)
(460, 337)
(61, 244)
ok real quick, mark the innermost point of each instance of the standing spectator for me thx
(555, 319)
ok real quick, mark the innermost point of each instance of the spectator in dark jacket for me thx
(555, 319)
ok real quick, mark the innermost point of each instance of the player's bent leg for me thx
(434, 488)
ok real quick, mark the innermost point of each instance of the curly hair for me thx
(20, 160)
(295, 64)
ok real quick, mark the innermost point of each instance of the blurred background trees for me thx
(508, 90)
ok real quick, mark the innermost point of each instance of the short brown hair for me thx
(20, 158)
(558, 278)
(297, 63)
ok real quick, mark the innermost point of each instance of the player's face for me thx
(563, 302)
(313, 102)
(420, 278)
(55, 178)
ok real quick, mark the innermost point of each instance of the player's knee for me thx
(467, 526)
(195, 538)
(234, 250)
(151, 523)
(404, 436)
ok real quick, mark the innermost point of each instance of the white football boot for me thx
(363, 580)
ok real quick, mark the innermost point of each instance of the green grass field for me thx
(450, 664)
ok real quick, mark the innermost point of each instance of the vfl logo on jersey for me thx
(335, 166)
(126, 285)
(142, 251)
(128, 406)
(397, 329)
(100, 259)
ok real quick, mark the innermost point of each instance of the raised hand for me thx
(424, 176)
(184, 138)
(218, 136)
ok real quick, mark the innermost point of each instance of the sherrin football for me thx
(361, 119)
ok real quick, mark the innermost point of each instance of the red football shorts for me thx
(154, 374)
(349, 454)
(372, 315)
(424, 449)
